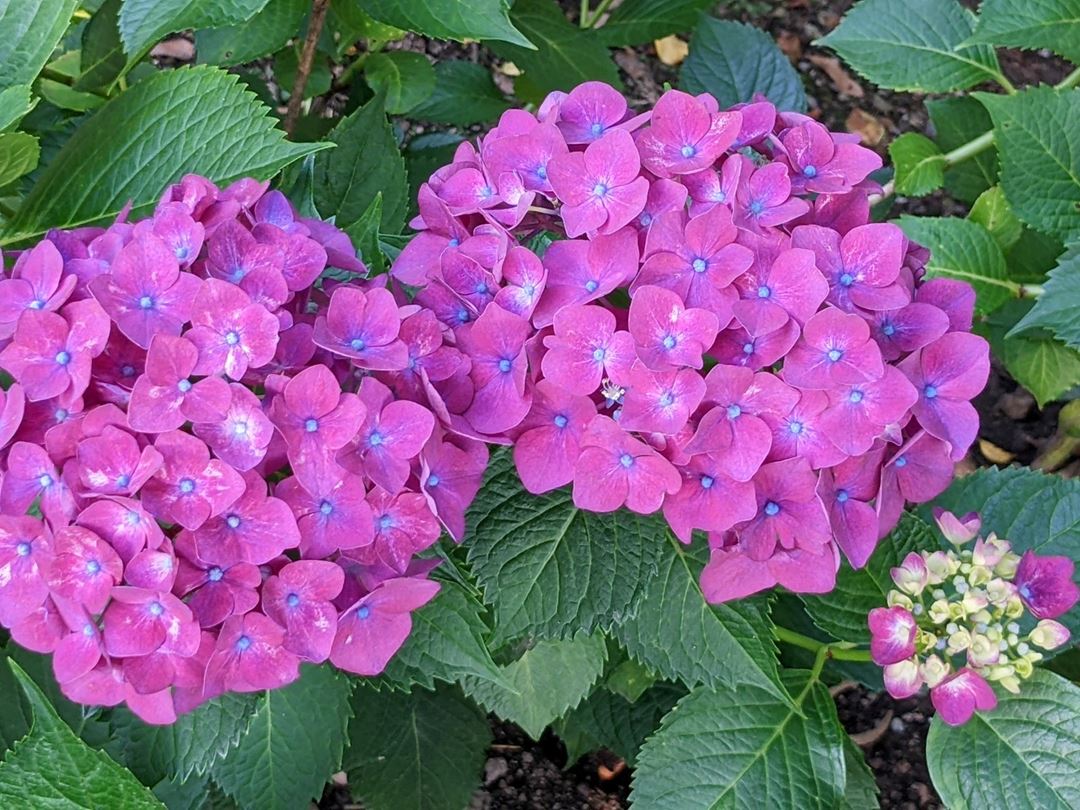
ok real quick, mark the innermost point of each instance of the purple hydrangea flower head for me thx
(709, 188)
(737, 347)
(697, 260)
(404, 526)
(190, 487)
(955, 298)
(12, 409)
(25, 559)
(892, 635)
(254, 528)
(947, 374)
(145, 293)
(547, 449)
(581, 271)
(214, 592)
(84, 568)
(586, 348)
(364, 327)
(525, 277)
(393, 433)
(81, 647)
(242, 435)
(496, 344)
(962, 694)
(862, 266)
(709, 499)
(173, 224)
(250, 656)
(820, 164)
(789, 513)
(37, 283)
(665, 197)
(763, 198)
(51, 353)
(800, 432)
(901, 331)
(957, 530)
(734, 574)
(122, 522)
(1045, 584)
(235, 256)
(138, 621)
(847, 490)
(32, 475)
(601, 188)
(588, 111)
(774, 290)
(166, 396)
(615, 469)
(685, 136)
(526, 154)
(300, 599)
(660, 401)
(858, 414)
(835, 350)
(230, 331)
(332, 519)
(667, 334)
(919, 471)
(372, 630)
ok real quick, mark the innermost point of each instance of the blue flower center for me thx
(626, 460)
(596, 128)
(37, 303)
(599, 190)
(901, 461)
(855, 396)
(599, 354)
(375, 439)
(772, 508)
(311, 425)
(60, 415)
(146, 302)
(242, 643)
(809, 171)
(930, 392)
(22, 549)
(215, 574)
(688, 151)
(233, 521)
(560, 421)
(1025, 591)
(240, 429)
(734, 411)
(504, 365)
(666, 399)
(846, 279)
(541, 172)
(590, 285)
(699, 265)
(888, 330)
(645, 219)
(763, 292)
(357, 344)
(187, 485)
(454, 242)
(88, 630)
(463, 316)
(363, 612)
(123, 480)
(127, 371)
(93, 567)
(756, 207)
(795, 427)
(707, 481)
(385, 522)
(44, 480)
(669, 342)
(63, 358)
(326, 507)
(231, 337)
(181, 252)
(132, 518)
(292, 600)
(433, 480)
(748, 348)
(183, 386)
(835, 354)
(480, 288)
(842, 495)
(156, 608)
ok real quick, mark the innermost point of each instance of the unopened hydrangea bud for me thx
(959, 640)
(897, 599)
(911, 576)
(979, 575)
(974, 601)
(957, 530)
(934, 670)
(1049, 634)
(940, 566)
(1006, 675)
(998, 591)
(990, 552)
(903, 679)
(1007, 566)
(1014, 608)
(939, 611)
(983, 652)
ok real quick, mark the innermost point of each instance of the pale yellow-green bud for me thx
(956, 611)
(1024, 667)
(1049, 634)
(898, 599)
(959, 641)
(940, 566)
(939, 612)
(998, 591)
(1014, 608)
(1007, 566)
(926, 640)
(934, 670)
(974, 601)
(983, 652)
(979, 575)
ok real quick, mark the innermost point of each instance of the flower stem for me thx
(594, 18)
(837, 650)
(1070, 81)
(319, 8)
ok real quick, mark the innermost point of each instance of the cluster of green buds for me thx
(961, 619)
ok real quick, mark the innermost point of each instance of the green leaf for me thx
(102, 59)
(19, 154)
(915, 45)
(464, 94)
(32, 28)
(15, 102)
(1031, 24)
(167, 120)
(1038, 137)
(957, 121)
(365, 236)
(63, 96)
(546, 681)
(449, 19)
(83, 720)
(1032, 510)
(842, 613)
(550, 569)
(636, 21)
(406, 78)
(293, 744)
(744, 748)
(365, 163)
(144, 22)
(51, 767)
(189, 747)
(630, 679)
(265, 33)
(964, 250)
(992, 211)
(920, 165)
(418, 751)
(565, 55)
(608, 720)
(15, 716)
(1033, 256)
(446, 643)
(1055, 309)
(287, 62)
(349, 23)
(861, 791)
(1044, 366)
(680, 636)
(1022, 755)
(734, 61)
(424, 154)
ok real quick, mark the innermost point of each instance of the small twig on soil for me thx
(506, 748)
(307, 58)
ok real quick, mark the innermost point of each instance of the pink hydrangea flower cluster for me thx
(962, 619)
(216, 462)
(716, 330)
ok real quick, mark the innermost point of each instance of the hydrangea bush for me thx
(628, 422)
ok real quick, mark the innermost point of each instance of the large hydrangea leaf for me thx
(144, 22)
(1055, 309)
(1032, 24)
(31, 29)
(448, 19)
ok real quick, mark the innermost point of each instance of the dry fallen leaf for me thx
(866, 126)
(671, 50)
(790, 44)
(994, 454)
(840, 78)
(509, 69)
(178, 48)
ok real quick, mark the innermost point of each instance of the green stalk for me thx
(837, 650)
(601, 7)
